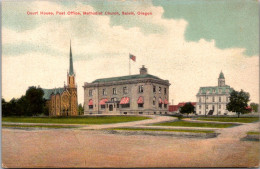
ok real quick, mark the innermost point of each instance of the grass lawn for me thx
(194, 124)
(253, 133)
(36, 126)
(169, 130)
(230, 119)
(75, 120)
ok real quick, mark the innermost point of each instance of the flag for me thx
(132, 57)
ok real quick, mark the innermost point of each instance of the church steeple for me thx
(71, 72)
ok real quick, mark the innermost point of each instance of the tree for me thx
(238, 102)
(4, 107)
(254, 106)
(187, 108)
(80, 109)
(21, 106)
(35, 101)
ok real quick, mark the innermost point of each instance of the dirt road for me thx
(95, 148)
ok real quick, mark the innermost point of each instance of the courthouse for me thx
(212, 100)
(134, 94)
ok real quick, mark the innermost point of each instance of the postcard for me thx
(130, 83)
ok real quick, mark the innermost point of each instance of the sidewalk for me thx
(204, 121)
(155, 119)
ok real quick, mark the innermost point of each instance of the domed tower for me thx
(72, 88)
(221, 80)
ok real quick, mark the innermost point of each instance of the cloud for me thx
(101, 50)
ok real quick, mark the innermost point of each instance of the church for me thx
(63, 101)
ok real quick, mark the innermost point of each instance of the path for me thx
(154, 119)
(238, 132)
(204, 121)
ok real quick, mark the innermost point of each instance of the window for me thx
(154, 89)
(199, 99)
(165, 90)
(199, 112)
(103, 106)
(90, 106)
(165, 105)
(219, 112)
(219, 106)
(207, 97)
(125, 90)
(104, 92)
(154, 112)
(113, 99)
(114, 91)
(160, 89)
(140, 112)
(213, 99)
(220, 90)
(154, 100)
(90, 92)
(125, 105)
(213, 107)
(141, 89)
(160, 105)
(219, 99)
(227, 99)
(207, 106)
(140, 105)
(214, 90)
(199, 106)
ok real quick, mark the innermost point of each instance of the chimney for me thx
(143, 70)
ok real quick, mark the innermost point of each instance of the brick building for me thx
(134, 94)
(176, 108)
(63, 101)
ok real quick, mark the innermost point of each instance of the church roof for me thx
(215, 90)
(49, 92)
(130, 77)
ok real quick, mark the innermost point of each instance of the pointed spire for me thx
(71, 72)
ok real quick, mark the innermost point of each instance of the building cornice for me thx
(124, 82)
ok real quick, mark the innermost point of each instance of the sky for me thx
(187, 42)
